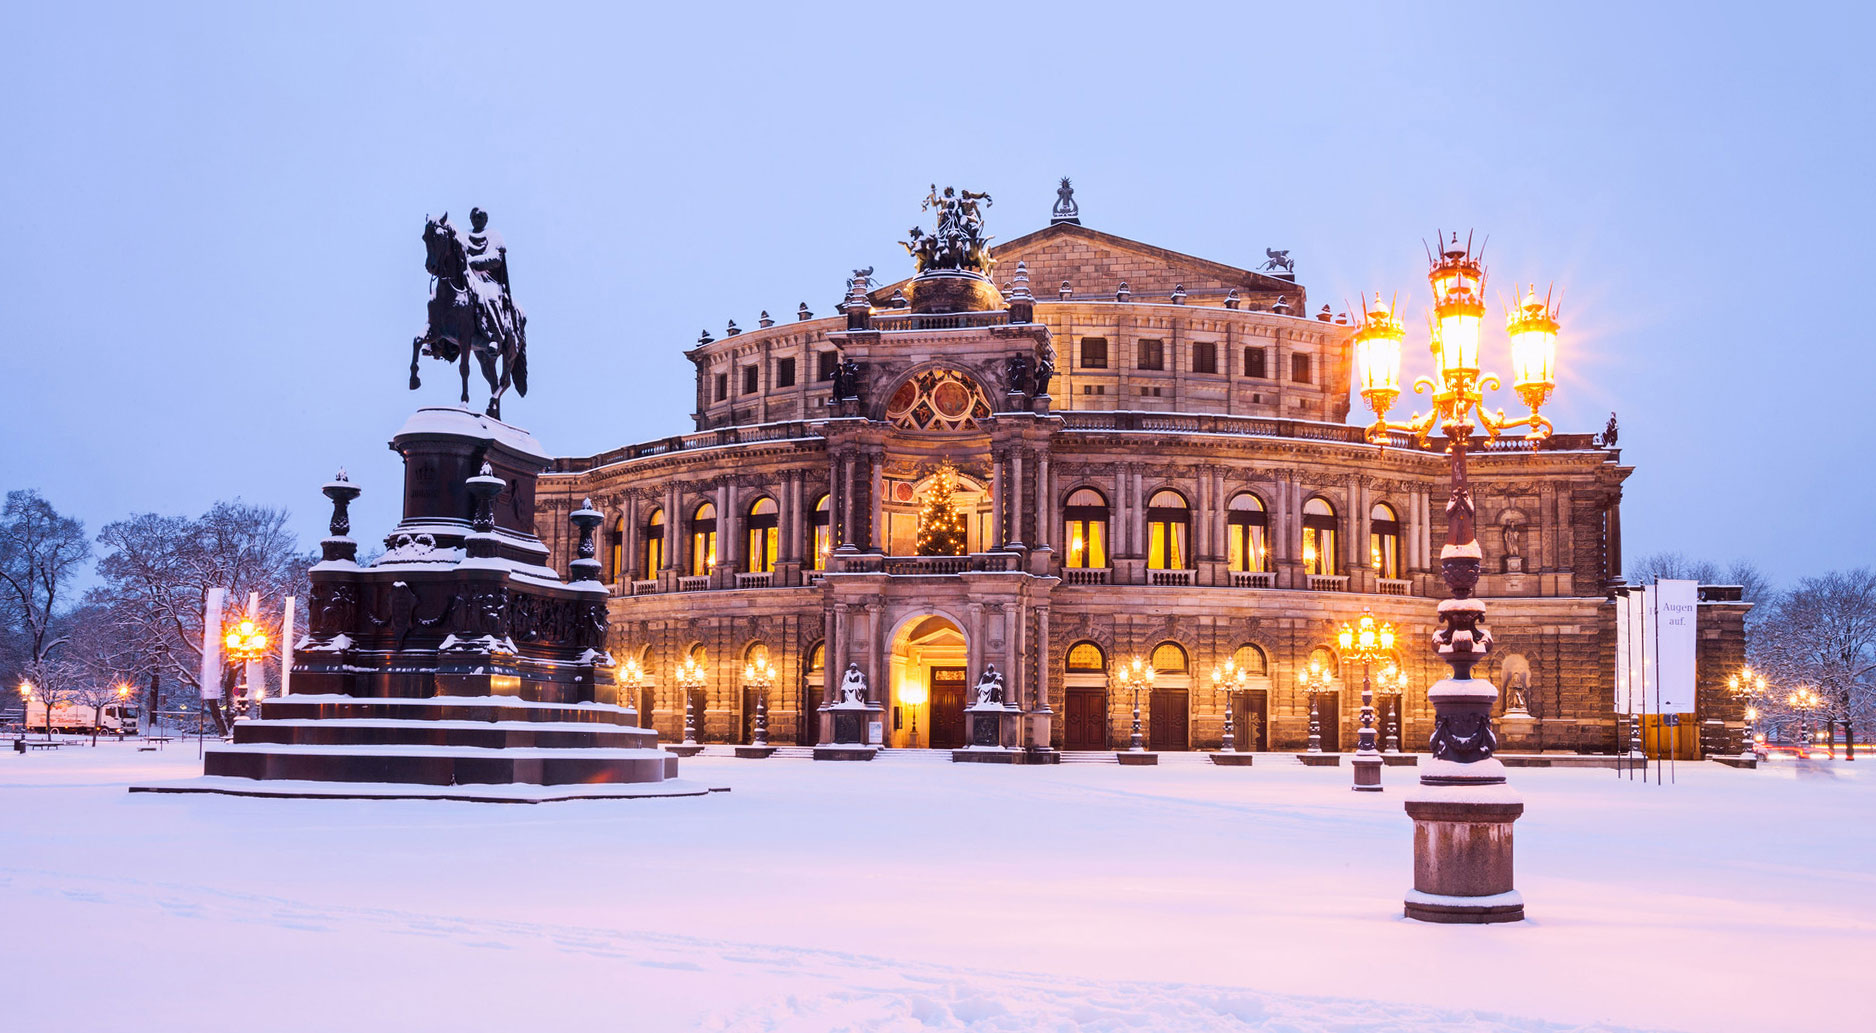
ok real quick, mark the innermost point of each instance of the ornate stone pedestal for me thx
(1367, 772)
(848, 725)
(1462, 855)
(457, 665)
(1229, 758)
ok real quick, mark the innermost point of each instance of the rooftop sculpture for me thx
(472, 310)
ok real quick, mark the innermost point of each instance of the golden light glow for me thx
(1309, 550)
(912, 693)
(690, 673)
(1533, 332)
(1366, 640)
(26, 690)
(1377, 355)
(1136, 672)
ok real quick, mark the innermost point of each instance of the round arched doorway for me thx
(927, 679)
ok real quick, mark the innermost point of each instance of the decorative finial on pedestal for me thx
(1066, 291)
(733, 329)
(1231, 299)
(1282, 306)
(483, 488)
(1022, 303)
(340, 546)
(899, 300)
(1179, 294)
(802, 314)
(1065, 210)
(1123, 294)
(585, 566)
(763, 321)
(857, 306)
(704, 338)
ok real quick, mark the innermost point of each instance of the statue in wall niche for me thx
(1520, 684)
(846, 379)
(1514, 548)
(1045, 370)
(990, 685)
(1016, 370)
(853, 685)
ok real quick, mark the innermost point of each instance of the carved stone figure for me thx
(1045, 370)
(1016, 371)
(1609, 433)
(847, 379)
(990, 685)
(1279, 261)
(853, 685)
(959, 241)
(472, 309)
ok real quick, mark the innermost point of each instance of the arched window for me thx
(703, 540)
(1086, 657)
(755, 651)
(1085, 528)
(1247, 527)
(817, 658)
(1168, 528)
(654, 543)
(1384, 548)
(764, 532)
(1318, 537)
(820, 534)
(937, 399)
(1169, 658)
(615, 552)
(1323, 658)
(1252, 661)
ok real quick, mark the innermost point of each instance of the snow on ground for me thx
(910, 894)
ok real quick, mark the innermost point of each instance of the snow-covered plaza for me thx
(915, 894)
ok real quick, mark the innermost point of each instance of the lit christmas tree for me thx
(941, 527)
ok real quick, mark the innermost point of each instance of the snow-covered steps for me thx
(438, 765)
(515, 793)
(353, 731)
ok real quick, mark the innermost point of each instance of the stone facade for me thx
(1233, 507)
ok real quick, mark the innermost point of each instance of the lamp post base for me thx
(1367, 772)
(1463, 857)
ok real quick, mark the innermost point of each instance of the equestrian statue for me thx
(472, 309)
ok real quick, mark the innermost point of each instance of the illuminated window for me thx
(1169, 658)
(1085, 528)
(1323, 658)
(1086, 656)
(1247, 528)
(1319, 533)
(1168, 527)
(615, 552)
(764, 533)
(817, 658)
(654, 543)
(820, 534)
(703, 540)
(1252, 661)
(1384, 547)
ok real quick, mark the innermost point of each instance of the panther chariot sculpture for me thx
(472, 309)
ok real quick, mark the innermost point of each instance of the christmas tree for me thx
(941, 527)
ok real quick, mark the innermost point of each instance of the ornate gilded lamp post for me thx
(690, 678)
(247, 643)
(1366, 641)
(1750, 687)
(1229, 678)
(1804, 701)
(759, 674)
(631, 674)
(912, 694)
(1316, 680)
(26, 712)
(1136, 674)
(1463, 812)
(1392, 683)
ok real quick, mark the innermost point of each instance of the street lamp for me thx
(912, 695)
(1229, 678)
(248, 643)
(1366, 641)
(26, 711)
(1462, 839)
(1316, 680)
(631, 674)
(1392, 683)
(1751, 688)
(1136, 674)
(1805, 700)
(690, 677)
(759, 674)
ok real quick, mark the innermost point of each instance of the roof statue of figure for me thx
(959, 241)
(472, 308)
(1065, 210)
(1279, 262)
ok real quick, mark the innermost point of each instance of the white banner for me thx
(1676, 608)
(286, 648)
(211, 645)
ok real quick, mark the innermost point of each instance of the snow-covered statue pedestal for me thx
(993, 724)
(457, 665)
(852, 725)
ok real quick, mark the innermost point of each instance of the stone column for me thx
(1045, 502)
(876, 503)
(1016, 496)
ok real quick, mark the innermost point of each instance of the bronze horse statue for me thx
(471, 313)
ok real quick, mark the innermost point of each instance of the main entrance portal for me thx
(929, 684)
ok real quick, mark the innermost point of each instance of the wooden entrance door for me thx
(1084, 720)
(1250, 719)
(808, 722)
(946, 695)
(1329, 710)
(749, 715)
(1167, 728)
(647, 707)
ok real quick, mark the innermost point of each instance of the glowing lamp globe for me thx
(1533, 332)
(912, 694)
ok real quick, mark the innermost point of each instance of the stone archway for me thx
(929, 657)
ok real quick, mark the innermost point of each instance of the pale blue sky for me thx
(210, 266)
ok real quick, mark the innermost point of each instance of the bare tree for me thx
(1822, 634)
(158, 570)
(41, 553)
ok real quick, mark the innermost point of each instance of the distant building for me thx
(1186, 487)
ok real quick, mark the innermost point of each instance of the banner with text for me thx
(1676, 605)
